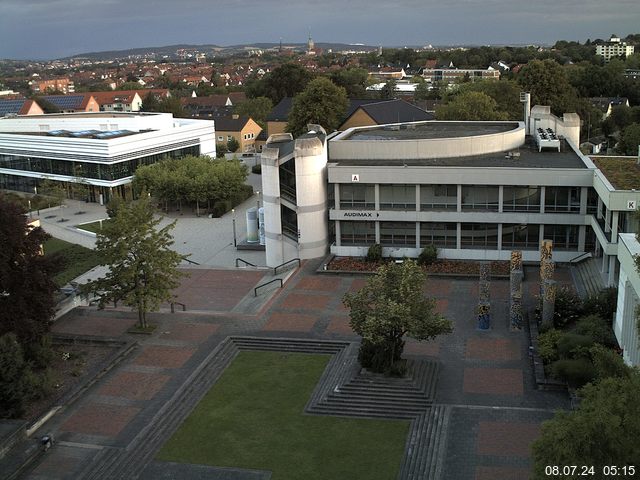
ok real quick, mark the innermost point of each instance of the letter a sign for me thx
(355, 177)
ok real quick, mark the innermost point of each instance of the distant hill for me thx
(170, 50)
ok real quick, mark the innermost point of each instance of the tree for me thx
(153, 103)
(233, 145)
(142, 267)
(13, 390)
(390, 306)
(321, 103)
(470, 106)
(388, 91)
(506, 94)
(353, 80)
(423, 91)
(26, 279)
(221, 149)
(256, 108)
(603, 430)
(548, 84)
(285, 81)
(629, 140)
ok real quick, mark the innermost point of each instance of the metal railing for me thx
(275, 269)
(255, 290)
(245, 262)
(580, 257)
(173, 307)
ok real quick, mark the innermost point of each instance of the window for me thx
(220, 138)
(562, 200)
(520, 236)
(438, 197)
(564, 237)
(479, 235)
(480, 197)
(289, 222)
(398, 234)
(357, 197)
(229, 137)
(521, 199)
(398, 197)
(438, 234)
(357, 233)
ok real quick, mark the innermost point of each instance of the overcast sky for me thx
(43, 29)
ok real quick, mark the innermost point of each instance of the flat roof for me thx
(432, 130)
(87, 115)
(92, 134)
(529, 157)
(622, 172)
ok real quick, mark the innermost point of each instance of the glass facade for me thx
(521, 199)
(520, 236)
(357, 197)
(398, 234)
(562, 200)
(480, 197)
(287, 173)
(357, 233)
(438, 197)
(90, 170)
(438, 234)
(397, 197)
(289, 222)
(479, 235)
(564, 237)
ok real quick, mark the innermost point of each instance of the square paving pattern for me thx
(321, 283)
(506, 438)
(134, 385)
(215, 290)
(493, 381)
(164, 357)
(496, 349)
(89, 325)
(290, 322)
(306, 301)
(99, 419)
(190, 332)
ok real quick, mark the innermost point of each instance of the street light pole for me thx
(258, 201)
(235, 242)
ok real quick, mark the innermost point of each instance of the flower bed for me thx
(440, 267)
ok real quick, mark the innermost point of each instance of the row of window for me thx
(474, 197)
(472, 235)
(98, 171)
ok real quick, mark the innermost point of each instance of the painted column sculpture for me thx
(549, 303)
(484, 304)
(516, 276)
(546, 271)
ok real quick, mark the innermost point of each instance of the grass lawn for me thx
(253, 418)
(77, 259)
(93, 226)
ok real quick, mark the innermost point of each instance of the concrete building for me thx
(614, 48)
(104, 149)
(451, 75)
(244, 129)
(625, 325)
(63, 85)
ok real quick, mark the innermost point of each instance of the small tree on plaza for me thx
(142, 267)
(390, 306)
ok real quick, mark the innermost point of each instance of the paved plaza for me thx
(485, 378)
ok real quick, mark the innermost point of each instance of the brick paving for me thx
(506, 438)
(493, 381)
(485, 377)
(134, 385)
(100, 419)
(164, 357)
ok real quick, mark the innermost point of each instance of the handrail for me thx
(186, 258)
(275, 269)
(173, 309)
(245, 262)
(255, 290)
(579, 257)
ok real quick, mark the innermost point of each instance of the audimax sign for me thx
(360, 214)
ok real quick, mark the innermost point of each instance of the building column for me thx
(417, 234)
(417, 197)
(582, 235)
(458, 234)
(584, 192)
(607, 221)
(378, 232)
(338, 234)
(605, 259)
(376, 194)
(459, 205)
(541, 235)
(500, 230)
(500, 202)
(543, 191)
(336, 196)
(611, 278)
(599, 210)
(614, 226)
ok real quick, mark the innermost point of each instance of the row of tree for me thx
(191, 180)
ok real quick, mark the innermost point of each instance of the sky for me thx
(47, 29)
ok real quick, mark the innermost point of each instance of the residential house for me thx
(63, 85)
(607, 104)
(243, 129)
(379, 112)
(79, 102)
(22, 106)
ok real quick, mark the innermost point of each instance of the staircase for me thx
(587, 277)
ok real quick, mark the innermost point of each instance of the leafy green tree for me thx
(548, 84)
(506, 94)
(13, 390)
(26, 279)
(256, 108)
(54, 190)
(390, 306)
(388, 91)
(602, 431)
(221, 149)
(629, 140)
(233, 145)
(353, 80)
(423, 91)
(143, 270)
(130, 85)
(172, 104)
(321, 103)
(470, 106)
(284, 81)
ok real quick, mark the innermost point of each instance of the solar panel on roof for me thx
(10, 106)
(65, 101)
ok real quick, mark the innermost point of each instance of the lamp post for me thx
(235, 242)
(258, 199)
(30, 213)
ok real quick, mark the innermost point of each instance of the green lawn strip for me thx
(93, 226)
(77, 259)
(253, 418)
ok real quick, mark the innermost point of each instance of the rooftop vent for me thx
(547, 138)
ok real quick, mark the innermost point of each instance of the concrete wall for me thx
(625, 323)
